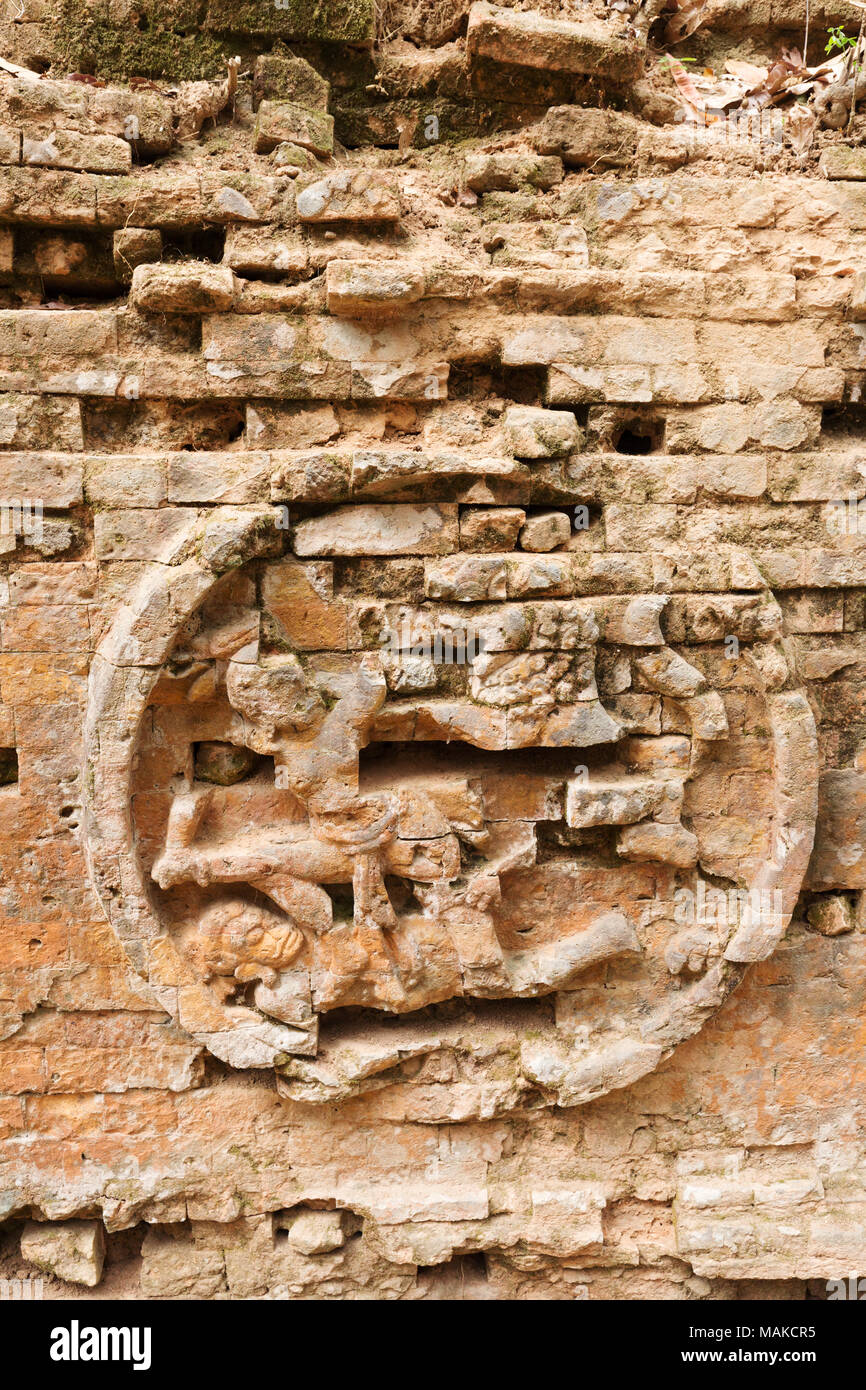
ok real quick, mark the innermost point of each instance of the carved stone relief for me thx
(362, 864)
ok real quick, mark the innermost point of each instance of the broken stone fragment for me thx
(857, 300)
(535, 433)
(316, 1232)
(351, 195)
(231, 198)
(551, 576)
(57, 537)
(10, 145)
(730, 427)
(832, 915)
(56, 333)
(144, 118)
(493, 528)
(141, 119)
(360, 287)
(532, 678)
(134, 246)
(223, 763)
(292, 159)
(67, 149)
(582, 136)
(672, 753)
(443, 720)
(653, 841)
(392, 381)
(615, 802)
(532, 40)
(265, 250)
(408, 675)
(378, 471)
(48, 197)
(558, 962)
(843, 162)
(669, 674)
(319, 472)
(235, 534)
(174, 1265)
(467, 578)
(280, 121)
(190, 287)
(70, 1250)
(292, 428)
(581, 725)
(546, 531)
(485, 173)
(300, 600)
(40, 422)
(707, 715)
(690, 952)
(386, 530)
(659, 107)
(289, 79)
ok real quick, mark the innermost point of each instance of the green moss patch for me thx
(328, 21)
(87, 40)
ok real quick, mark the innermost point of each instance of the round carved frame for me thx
(546, 1069)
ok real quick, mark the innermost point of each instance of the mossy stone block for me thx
(290, 79)
(326, 21)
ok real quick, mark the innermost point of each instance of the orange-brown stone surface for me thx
(432, 628)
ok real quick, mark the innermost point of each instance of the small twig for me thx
(856, 65)
(232, 89)
(806, 39)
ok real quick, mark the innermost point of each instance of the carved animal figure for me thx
(239, 942)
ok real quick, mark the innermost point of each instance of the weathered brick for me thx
(413, 631)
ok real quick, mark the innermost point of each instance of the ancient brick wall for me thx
(432, 630)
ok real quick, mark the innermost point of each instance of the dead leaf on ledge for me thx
(86, 78)
(689, 17)
(801, 126)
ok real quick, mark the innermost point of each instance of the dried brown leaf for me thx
(689, 17)
(801, 125)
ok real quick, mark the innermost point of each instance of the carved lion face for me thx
(239, 939)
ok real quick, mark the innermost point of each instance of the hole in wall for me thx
(630, 442)
(401, 895)
(846, 422)
(72, 265)
(638, 437)
(126, 426)
(8, 766)
(524, 385)
(343, 899)
(481, 380)
(464, 1276)
(616, 429)
(195, 243)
